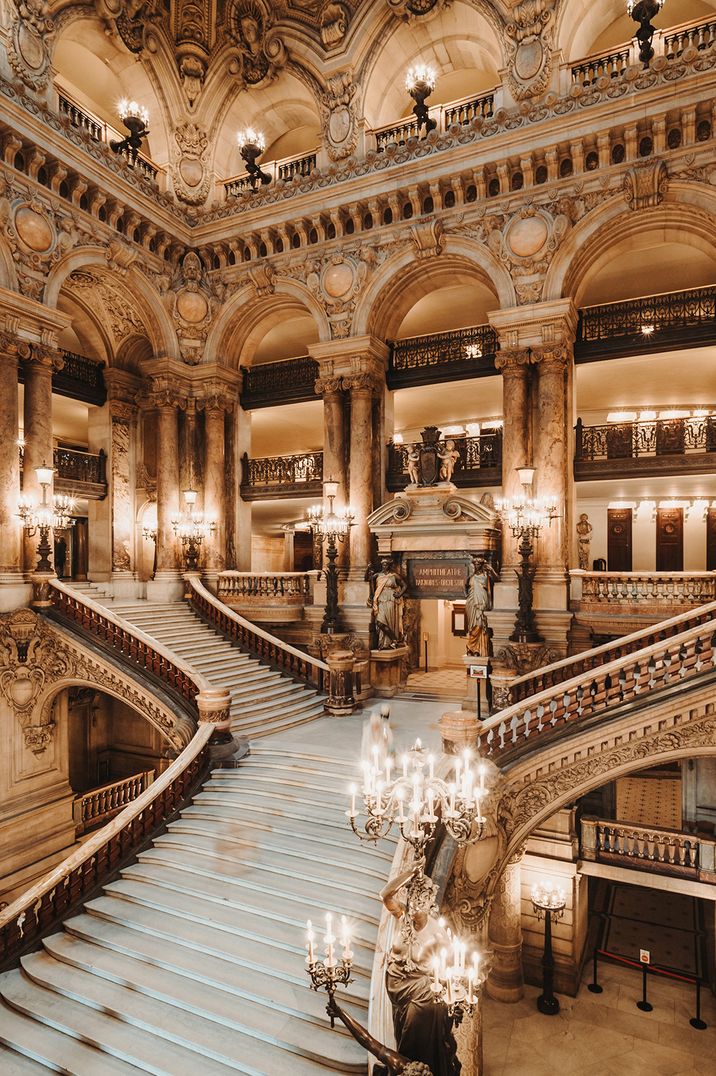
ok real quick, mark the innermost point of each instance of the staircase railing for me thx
(651, 848)
(65, 888)
(678, 659)
(97, 806)
(136, 648)
(262, 644)
(559, 671)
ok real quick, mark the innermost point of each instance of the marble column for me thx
(167, 485)
(334, 443)
(516, 373)
(506, 982)
(214, 473)
(11, 351)
(552, 457)
(361, 469)
(122, 415)
(39, 368)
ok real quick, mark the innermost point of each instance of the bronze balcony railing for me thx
(480, 462)
(461, 112)
(84, 473)
(94, 808)
(281, 476)
(80, 379)
(648, 848)
(102, 132)
(266, 588)
(271, 383)
(646, 592)
(449, 356)
(659, 446)
(652, 323)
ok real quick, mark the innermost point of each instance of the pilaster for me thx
(12, 351)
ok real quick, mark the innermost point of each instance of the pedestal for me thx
(341, 700)
(387, 670)
(458, 729)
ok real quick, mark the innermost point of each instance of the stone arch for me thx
(131, 283)
(241, 316)
(690, 220)
(404, 279)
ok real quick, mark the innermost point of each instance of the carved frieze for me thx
(110, 302)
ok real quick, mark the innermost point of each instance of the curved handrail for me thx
(28, 917)
(676, 659)
(295, 662)
(523, 687)
(142, 650)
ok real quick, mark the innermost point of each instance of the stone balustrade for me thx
(99, 131)
(282, 171)
(652, 848)
(523, 727)
(645, 592)
(266, 588)
(97, 806)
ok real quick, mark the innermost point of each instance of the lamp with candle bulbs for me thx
(458, 977)
(420, 83)
(416, 800)
(643, 11)
(136, 119)
(328, 972)
(330, 527)
(191, 528)
(251, 146)
(548, 903)
(525, 515)
(46, 516)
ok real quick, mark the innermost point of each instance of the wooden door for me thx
(711, 540)
(670, 540)
(619, 539)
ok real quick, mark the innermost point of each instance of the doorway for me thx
(670, 540)
(619, 527)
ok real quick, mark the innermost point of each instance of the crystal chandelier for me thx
(329, 972)
(457, 978)
(415, 800)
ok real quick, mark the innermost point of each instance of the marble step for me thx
(333, 776)
(260, 956)
(307, 1036)
(175, 1026)
(216, 969)
(42, 1047)
(250, 729)
(293, 805)
(324, 818)
(107, 1034)
(290, 757)
(287, 705)
(269, 879)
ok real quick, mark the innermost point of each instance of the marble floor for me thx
(447, 682)
(602, 1034)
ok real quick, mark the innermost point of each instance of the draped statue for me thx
(387, 605)
(478, 588)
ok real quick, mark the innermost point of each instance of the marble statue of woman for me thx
(423, 1029)
(387, 606)
(584, 533)
(478, 588)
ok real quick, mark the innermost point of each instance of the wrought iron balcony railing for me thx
(288, 381)
(281, 476)
(78, 472)
(102, 132)
(670, 445)
(480, 462)
(652, 323)
(80, 378)
(448, 356)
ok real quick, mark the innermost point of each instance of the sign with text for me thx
(437, 577)
(645, 956)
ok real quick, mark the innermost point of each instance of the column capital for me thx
(353, 355)
(328, 386)
(162, 398)
(215, 398)
(361, 384)
(122, 410)
(538, 325)
(513, 361)
(12, 347)
(43, 358)
(556, 355)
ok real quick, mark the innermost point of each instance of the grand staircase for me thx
(263, 701)
(192, 961)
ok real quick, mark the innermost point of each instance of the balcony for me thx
(480, 462)
(648, 848)
(272, 383)
(461, 112)
(103, 132)
(638, 449)
(283, 171)
(677, 319)
(281, 476)
(79, 379)
(82, 474)
(450, 356)
(657, 594)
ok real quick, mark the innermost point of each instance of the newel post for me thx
(341, 700)
(214, 705)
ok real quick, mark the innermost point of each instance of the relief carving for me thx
(340, 122)
(190, 175)
(529, 47)
(28, 51)
(646, 184)
(334, 22)
(259, 52)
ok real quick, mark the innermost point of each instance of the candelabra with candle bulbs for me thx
(43, 517)
(457, 979)
(525, 515)
(136, 119)
(420, 83)
(548, 903)
(251, 146)
(331, 527)
(643, 11)
(191, 528)
(415, 799)
(329, 972)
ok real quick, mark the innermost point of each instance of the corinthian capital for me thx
(552, 354)
(47, 358)
(361, 383)
(511, 360)
(13, 347)
(327, 386)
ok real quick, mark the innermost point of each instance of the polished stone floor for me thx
(601, 1034)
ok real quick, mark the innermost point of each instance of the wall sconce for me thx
(43, 517)
(251, 146)
(420, 83)
(136, 119)
(643, 12)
